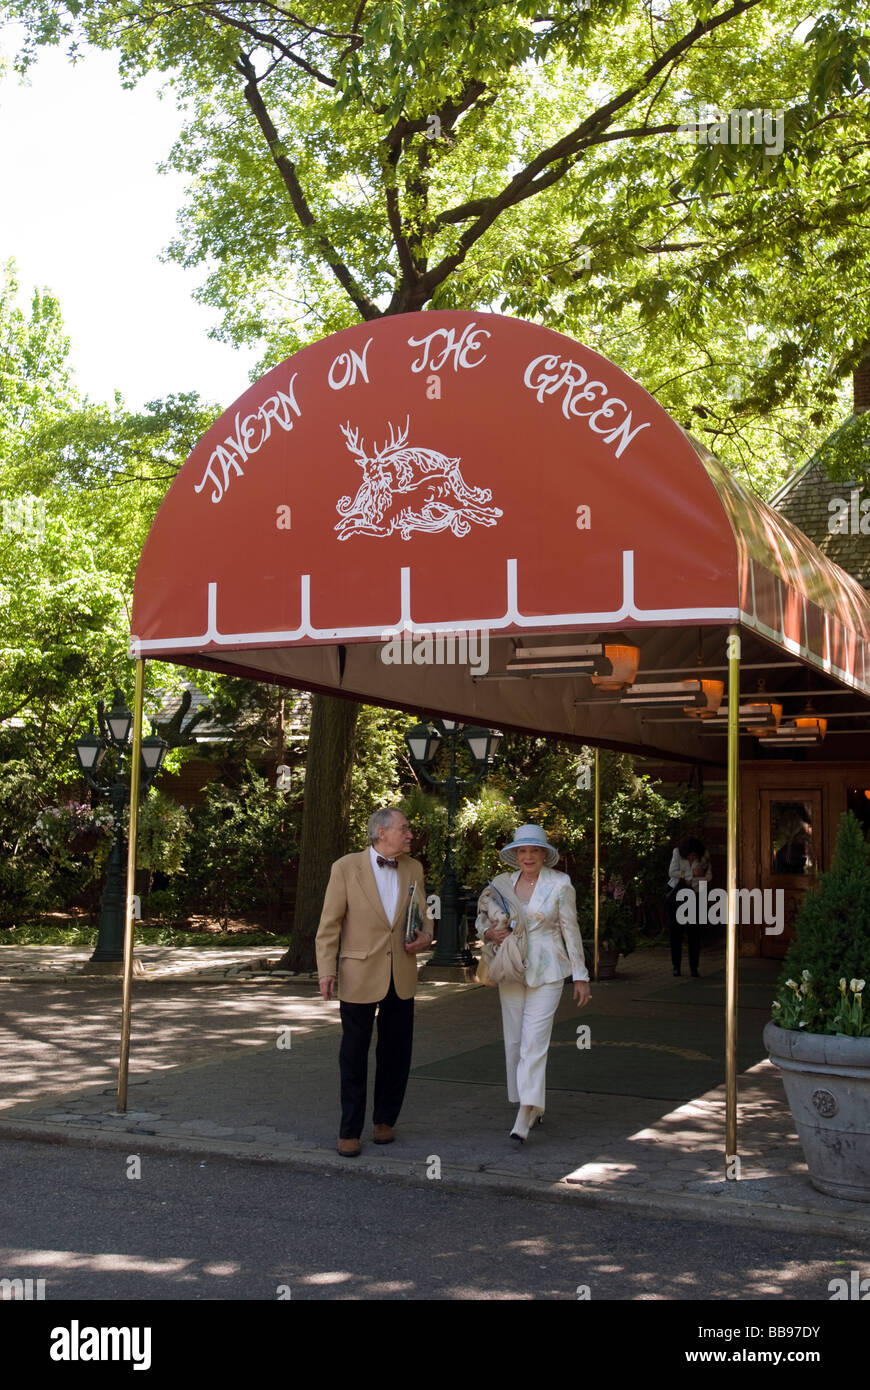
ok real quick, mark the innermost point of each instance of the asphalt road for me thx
(194, 1229)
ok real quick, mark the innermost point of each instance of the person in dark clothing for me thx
(690, 865)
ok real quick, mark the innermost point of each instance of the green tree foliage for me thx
(638, 823)
(348, 160)
(79, 487)
(485, 821)
(381, 763)
(25, 879)
(535, 781)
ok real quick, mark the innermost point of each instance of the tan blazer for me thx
(355, 936)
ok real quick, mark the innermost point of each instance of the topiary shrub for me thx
(825, 969)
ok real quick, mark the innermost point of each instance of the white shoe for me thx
(527, 1115)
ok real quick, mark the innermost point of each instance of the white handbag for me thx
(505, 961)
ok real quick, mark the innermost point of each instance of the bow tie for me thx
(387, 863)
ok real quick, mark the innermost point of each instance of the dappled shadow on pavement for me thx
(58, 1038)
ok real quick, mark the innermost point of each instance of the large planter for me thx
(827, 1083)
(606, 960)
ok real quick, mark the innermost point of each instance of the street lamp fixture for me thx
(120, 721)
(423, 743)
(90, 751)
(153, 751)
(482, 744)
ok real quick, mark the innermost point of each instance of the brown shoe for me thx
(349, 1148)
(383, 1134)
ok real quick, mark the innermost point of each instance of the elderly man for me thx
(361, 939)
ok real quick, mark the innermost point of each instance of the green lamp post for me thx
(424, 742)
(91, 749)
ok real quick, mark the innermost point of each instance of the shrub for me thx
(31, 881)
(242, 844)
(483, 826)
(427, 816)
(616, 921)
(823, 975)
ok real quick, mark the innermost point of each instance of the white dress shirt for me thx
(388, 884)
(681, 870)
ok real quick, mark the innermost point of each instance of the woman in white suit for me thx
(547, 900)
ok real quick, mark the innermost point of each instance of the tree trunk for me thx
(328, 767)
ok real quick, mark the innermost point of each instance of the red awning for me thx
(443, 473)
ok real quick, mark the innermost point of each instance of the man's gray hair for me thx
(380, 820)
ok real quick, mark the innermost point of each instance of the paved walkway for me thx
(34, 963)
(227, 1058)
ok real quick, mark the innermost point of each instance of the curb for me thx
(658, 1204)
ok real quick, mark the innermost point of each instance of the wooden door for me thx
(791, 844)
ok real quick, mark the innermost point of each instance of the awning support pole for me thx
(596, 888)
(135, 765)
(732, 1162)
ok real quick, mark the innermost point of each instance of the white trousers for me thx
(527, 1018)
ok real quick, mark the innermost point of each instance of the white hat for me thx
(534, 836)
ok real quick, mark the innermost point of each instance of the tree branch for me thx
(287, 170)
(592, 130)
(269, 41)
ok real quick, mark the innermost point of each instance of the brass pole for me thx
(732, 1163)
(596, 889)
(135, 764)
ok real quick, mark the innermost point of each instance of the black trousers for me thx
(693, 935)
(392, 1060)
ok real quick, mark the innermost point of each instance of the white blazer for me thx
(555, 948)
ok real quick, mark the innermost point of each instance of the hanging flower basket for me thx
(74, 830)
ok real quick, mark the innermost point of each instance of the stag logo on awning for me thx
(409, 489)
